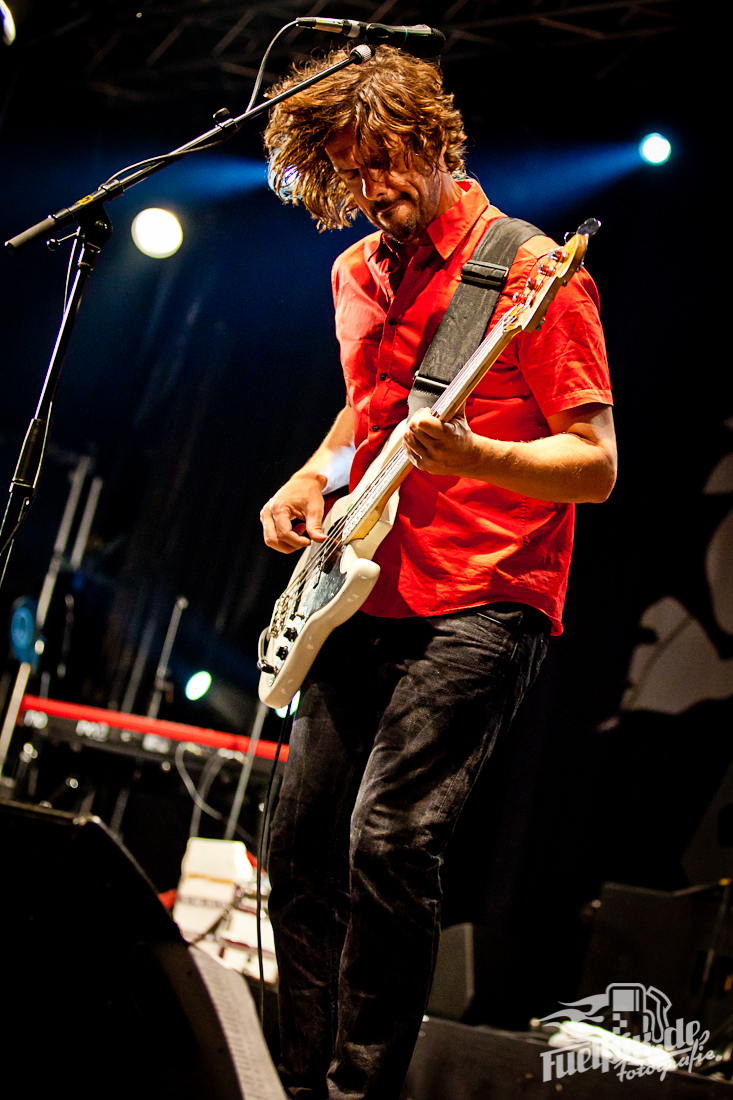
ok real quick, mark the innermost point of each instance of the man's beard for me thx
(407, 228)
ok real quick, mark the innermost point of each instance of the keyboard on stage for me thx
(152, 781)
(134, 734)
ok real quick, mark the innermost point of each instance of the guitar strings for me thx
(333, 536)
(354, 515)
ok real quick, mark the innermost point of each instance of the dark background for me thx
(198, 383)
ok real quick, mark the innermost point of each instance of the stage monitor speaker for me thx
(709, 855)
(101, 994)
(469, 975)
(667, 940)
(454, 1061)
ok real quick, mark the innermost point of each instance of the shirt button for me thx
(382, 377)
(375, 427)
(393, 321)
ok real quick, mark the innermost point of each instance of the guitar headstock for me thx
(555, 270)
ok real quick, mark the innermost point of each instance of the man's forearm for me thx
(338, 440)
(564, 468)
(574, 464)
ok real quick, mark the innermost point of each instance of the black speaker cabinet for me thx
(101, 995)
(454, 1061)
(469, 975)
(669, 940)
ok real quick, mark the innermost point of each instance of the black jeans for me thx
(393, 727)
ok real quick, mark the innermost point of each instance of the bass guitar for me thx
(333, 579)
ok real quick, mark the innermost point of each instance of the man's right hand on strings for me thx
(299, 501)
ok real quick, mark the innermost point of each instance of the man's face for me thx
(399, 199)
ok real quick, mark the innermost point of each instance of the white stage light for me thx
(655, 149)
(198, 685)
(7, 24)
(157, 233)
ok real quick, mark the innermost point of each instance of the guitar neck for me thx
(367, 509)
(471, 373)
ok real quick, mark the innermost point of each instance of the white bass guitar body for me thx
(325, 589)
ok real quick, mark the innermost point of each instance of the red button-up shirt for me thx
(457, 542)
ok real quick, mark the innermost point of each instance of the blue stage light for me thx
(287, 186)
(655, 149)
(217, 177)
(538, 181)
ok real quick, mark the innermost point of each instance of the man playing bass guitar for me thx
(406, 699)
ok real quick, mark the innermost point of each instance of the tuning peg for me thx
(589, 227)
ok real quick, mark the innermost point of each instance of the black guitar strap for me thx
(467, 318)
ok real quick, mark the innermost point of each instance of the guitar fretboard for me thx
(394, 472)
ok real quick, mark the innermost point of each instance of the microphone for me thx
(420, 40)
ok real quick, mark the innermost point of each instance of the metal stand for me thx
(57, 558)
(94, 231)
(260, 715)
(161, 673)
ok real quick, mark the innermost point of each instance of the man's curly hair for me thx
(393, 101)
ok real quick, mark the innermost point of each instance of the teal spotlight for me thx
(291, 708)
(655, 149)
(198, 685)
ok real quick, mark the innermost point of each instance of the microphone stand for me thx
(93, 232)
(94, 229)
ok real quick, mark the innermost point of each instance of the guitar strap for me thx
(470, 311)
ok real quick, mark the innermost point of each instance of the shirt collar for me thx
(446, 231)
